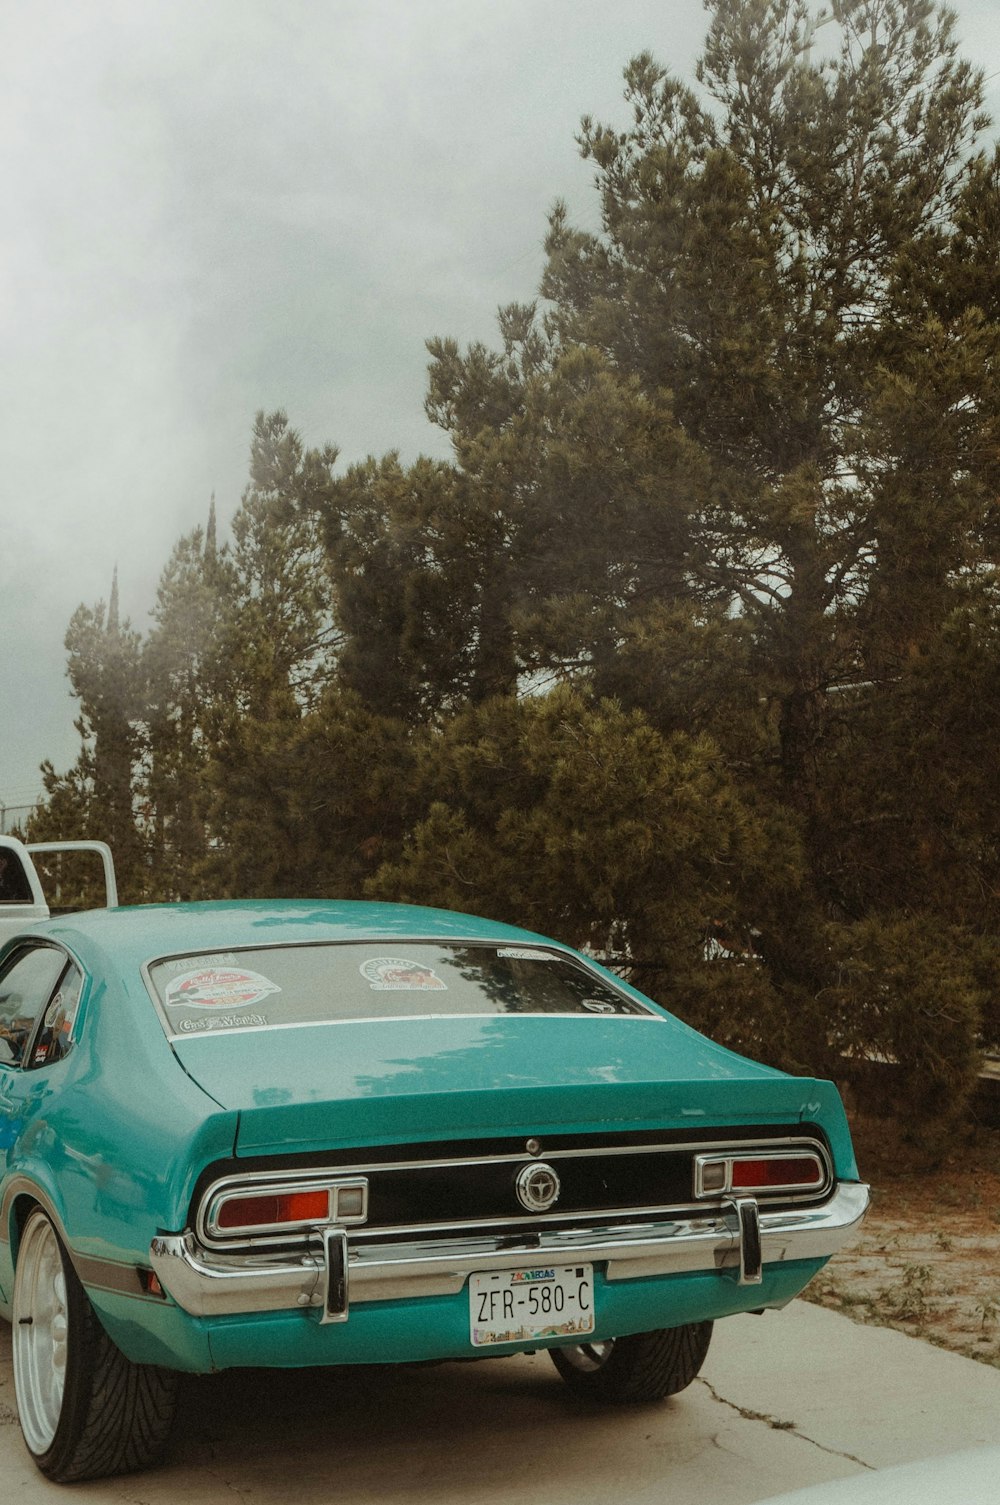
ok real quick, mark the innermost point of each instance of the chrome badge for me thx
(537, 1186)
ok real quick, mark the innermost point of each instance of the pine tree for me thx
(274, 656)
(747, 450)
(97, 797)
(186, 702)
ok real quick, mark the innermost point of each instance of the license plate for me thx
(540, 1301)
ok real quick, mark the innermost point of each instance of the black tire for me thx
(639, 1368)
(86, 1411)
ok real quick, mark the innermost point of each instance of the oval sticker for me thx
(218, 988)
(396, 974)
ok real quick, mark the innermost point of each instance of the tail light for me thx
(793, 1172)
(274, 1209)
(260, 1208)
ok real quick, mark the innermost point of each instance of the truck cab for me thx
(22, 898)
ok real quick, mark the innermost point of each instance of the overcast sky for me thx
(211, 208)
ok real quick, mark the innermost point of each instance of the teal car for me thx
(317, 1133)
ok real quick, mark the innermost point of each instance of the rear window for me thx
(288, 985)
(14, 885)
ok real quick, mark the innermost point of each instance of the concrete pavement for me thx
(787, 1399)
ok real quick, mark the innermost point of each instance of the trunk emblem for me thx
(537, 1186)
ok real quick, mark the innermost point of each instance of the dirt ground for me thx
(928, 1260)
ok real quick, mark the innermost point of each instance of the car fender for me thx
(20, 1193)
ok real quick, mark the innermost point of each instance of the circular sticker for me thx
(396, 974)
(218, 988)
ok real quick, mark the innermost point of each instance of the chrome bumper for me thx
(205, 1283)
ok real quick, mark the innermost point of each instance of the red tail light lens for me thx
(799, 1173)
(275, 1210)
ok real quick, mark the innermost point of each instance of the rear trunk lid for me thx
(355, 1083)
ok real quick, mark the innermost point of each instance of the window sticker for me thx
(523, 954)
(395, 974)
(218, 988)
(57, 1023)
(183, 963)
(60, 1016)
(220, 1021)
(599, 1006)
(57, 1011)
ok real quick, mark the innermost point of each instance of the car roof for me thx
(139, 933)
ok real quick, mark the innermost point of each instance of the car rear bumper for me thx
(738, 1241)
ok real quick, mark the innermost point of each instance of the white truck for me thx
(22, 899)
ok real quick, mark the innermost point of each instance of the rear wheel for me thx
(86, 1411)
(641, 1367)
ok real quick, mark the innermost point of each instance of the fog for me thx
(216, 209)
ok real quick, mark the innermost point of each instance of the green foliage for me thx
(579, 819)
(906, 995)
(692, 653)
(97, 797)
(278, 629)
(756, 263)
(185, 677)
(308, 807)
(793, 275)
(577, 813)
(420, 574)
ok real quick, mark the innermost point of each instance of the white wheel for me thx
(86, 1411)
(41, 1321)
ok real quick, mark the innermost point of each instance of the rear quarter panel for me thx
(111, 1138)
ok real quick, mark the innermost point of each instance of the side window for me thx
(55, 1032)
(14, 885)
(26, 987)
